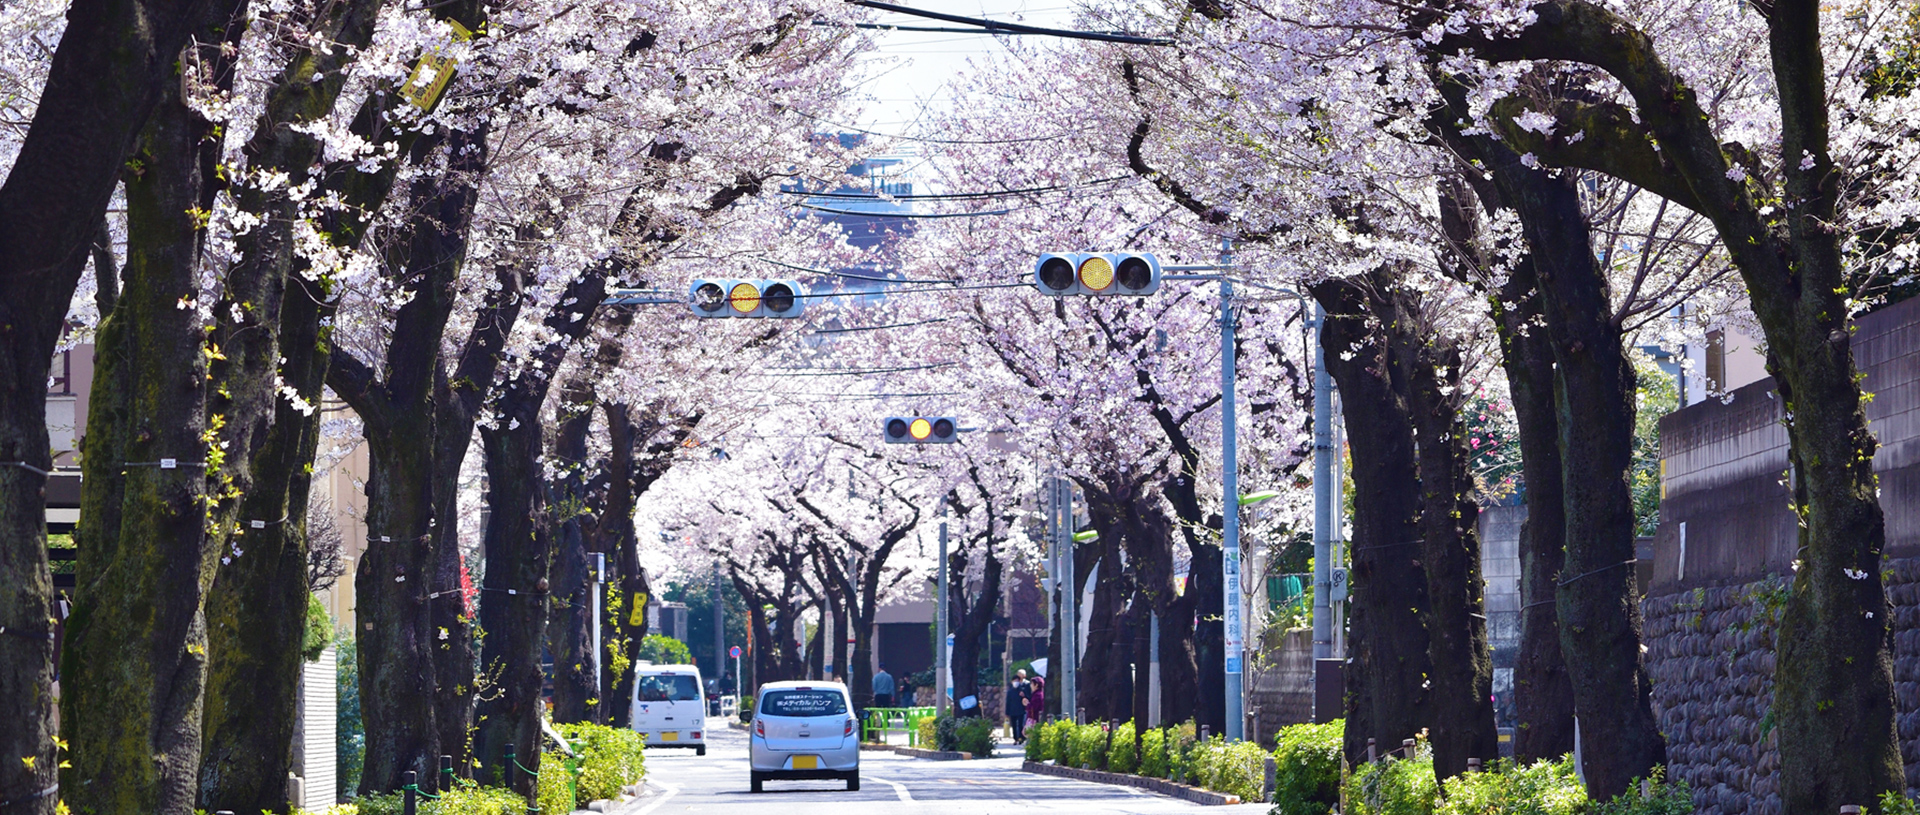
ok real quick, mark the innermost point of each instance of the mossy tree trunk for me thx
(576, 678)
(257, 607)
(111, 68)
(136, 650)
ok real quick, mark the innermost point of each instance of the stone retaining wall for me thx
(1710, 655)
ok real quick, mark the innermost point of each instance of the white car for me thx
(668, 708)
(804, 730)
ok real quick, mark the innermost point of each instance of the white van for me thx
(668, 708)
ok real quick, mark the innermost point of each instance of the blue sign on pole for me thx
(734, 652)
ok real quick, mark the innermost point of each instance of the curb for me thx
(1159, 785)
(915, 752)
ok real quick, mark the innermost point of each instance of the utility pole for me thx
(1069, 599)
(1323, 495)
(1230, 525)
(596, 599)
(942, 684)
(720, 627)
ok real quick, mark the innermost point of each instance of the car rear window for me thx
(663, 688)
(803, 703)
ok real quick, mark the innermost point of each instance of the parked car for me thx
(668, 708)
(804, 730)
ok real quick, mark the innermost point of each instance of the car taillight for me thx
(760, 728)
(696, 734)
(849, 730)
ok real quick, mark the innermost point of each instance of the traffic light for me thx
(1130, 273)
(921, 430)
(777, 299)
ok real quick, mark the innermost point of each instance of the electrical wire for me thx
(997, 27)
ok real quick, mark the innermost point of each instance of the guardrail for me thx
(882, 721)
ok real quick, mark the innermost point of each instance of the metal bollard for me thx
(513, 770)
(1406, 748)
(1372, 752)
(409, 803)
(1473, 765)
(1272, 779)
(1206, 732)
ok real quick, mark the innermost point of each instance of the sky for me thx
(913, 68)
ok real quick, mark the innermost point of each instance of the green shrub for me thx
(975, 735)
(1891, 803)
(1062, 741)
(1087, 746)
(554, 789)
(1393, 786)
(1153, 753)
(610, 758)
(1180, 741)
(1306, 779)
(466, 799)
(1123, 757)
(1037, 743)
(319, 633)
(1664, 798)
(1236, 768)
(925, 734)
(1544, 788)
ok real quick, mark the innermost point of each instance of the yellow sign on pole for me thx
(432, 73)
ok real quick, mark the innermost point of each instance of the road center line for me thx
(898, 789)
(667, 795)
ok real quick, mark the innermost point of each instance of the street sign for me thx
(1338, 580)
(734, 652)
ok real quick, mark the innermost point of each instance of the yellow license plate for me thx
(669, 736)
(806, 762)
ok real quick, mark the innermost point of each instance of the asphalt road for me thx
(678, 781)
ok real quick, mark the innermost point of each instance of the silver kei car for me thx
(804, 730)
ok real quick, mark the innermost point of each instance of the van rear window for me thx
(803, 703)
(668, 689)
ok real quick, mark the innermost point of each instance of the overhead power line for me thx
(954, 196)
(833, 211)
(997, 27)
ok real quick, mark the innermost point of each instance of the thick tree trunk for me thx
(1543, 690)
(113, 64)
(136, 671)
(576, 694)
(519, 551)
(1461, 697)
(628, 622)
(1386, 679)
(972, 616)
(257, 607)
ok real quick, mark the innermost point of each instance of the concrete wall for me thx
(1280, 682)
(1723, 467)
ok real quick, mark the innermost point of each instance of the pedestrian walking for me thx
(1016, 707)
(883, 687)
(1036, 700)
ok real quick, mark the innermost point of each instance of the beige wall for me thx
(340, 475)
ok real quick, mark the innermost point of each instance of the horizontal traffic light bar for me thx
(1097, 273)
(920, 430)
(749, 297)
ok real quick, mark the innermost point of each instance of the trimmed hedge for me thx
(461, 800)
(1122, 757)
(1236, 768)
(554, 789)
(1393, 786)
(610, 758)
(1307, 768)
(1153, 753)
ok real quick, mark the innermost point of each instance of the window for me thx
(668, 688)
(804, 703)
(1716, 361)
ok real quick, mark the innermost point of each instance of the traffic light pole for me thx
(1323, 495)
(940, 684)
(1230, 523)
